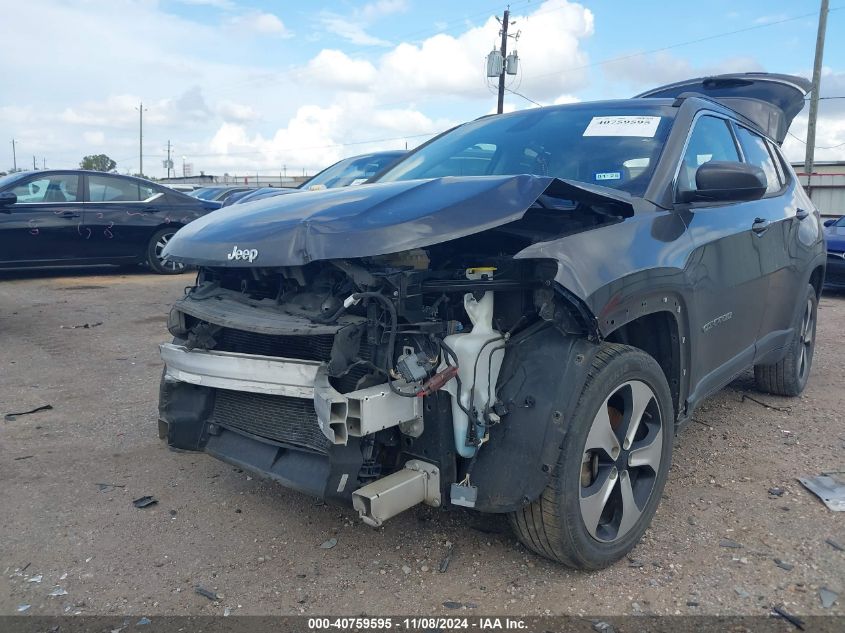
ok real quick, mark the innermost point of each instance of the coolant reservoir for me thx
(480, 355)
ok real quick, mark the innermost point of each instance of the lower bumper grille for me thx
(278, 418)
(303, 347)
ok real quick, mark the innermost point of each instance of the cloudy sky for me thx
(246, 86)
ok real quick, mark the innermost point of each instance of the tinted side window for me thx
(111, 189)
(54, 188)
(778, 158)
(757, 154)
(711, 139)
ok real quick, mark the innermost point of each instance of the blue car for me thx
(349, 171)
(834, 233)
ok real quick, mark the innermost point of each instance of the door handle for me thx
(760, 225)
(68, 214)
(801, 213)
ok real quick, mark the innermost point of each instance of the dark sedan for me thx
(75, 217)
(834, 233)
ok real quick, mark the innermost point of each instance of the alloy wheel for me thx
(807, 332)
(621, 460)
(159, 250)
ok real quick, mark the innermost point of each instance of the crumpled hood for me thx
(366, 220)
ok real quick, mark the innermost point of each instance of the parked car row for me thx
(78, 217)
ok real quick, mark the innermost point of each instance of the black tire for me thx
(789, 376)
(158, 264)
(555, 525)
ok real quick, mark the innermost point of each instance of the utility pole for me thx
(505, 19)
(169, 164)
(814, 95)
(140, 110)
(44, 163)
(14, 157)
(33, 163)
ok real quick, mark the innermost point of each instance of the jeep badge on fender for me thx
(248, 254)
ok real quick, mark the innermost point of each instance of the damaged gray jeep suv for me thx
(517, 317)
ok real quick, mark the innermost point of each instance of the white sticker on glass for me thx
(644, 126)
(609, 175)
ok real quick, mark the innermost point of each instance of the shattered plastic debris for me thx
(143, 502)
(58, 591)
(603, 627)
(784, 564)
(227, 612)
(35, 578)
(776, 492)
(11, 417)
(792, 619)
(208, 593)
(83, 326)
(143, 621)
(23, 608)
(329, 544)
(827, 597)
(827, 487)
(109, 487)
(835, 544)
(447, 558)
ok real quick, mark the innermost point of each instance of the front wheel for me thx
(612, 466)
(789, 376)
(155, 249)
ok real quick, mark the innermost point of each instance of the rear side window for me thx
(50, 188)
(111, 189)
(779, 163)
(757, 153)
(711, 139)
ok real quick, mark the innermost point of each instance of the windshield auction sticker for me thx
(644, 126)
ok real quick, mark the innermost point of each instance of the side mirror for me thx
(7, 199)
(726, 181)
(829, 222)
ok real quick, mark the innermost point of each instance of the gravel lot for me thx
(258, 545)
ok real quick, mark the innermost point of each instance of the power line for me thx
(519, 94)
(816, 146)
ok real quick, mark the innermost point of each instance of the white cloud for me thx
(349, 30)
(830, 127)
(656, 69)
(334, 69)
(454, 65)
(95, 138)
(217, 4)
(259, 22)
(236, 112)
(381, 8)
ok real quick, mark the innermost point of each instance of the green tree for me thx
(98, 162)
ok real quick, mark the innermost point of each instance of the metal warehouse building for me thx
(827, 186)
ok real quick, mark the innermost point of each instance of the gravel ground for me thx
(257, 545)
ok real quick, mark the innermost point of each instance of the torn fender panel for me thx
(368, 220)
(650, 250)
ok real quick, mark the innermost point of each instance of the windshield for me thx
(206, 193)
(610, 144)
(840, 222)
(351, 171)
(7, 180)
